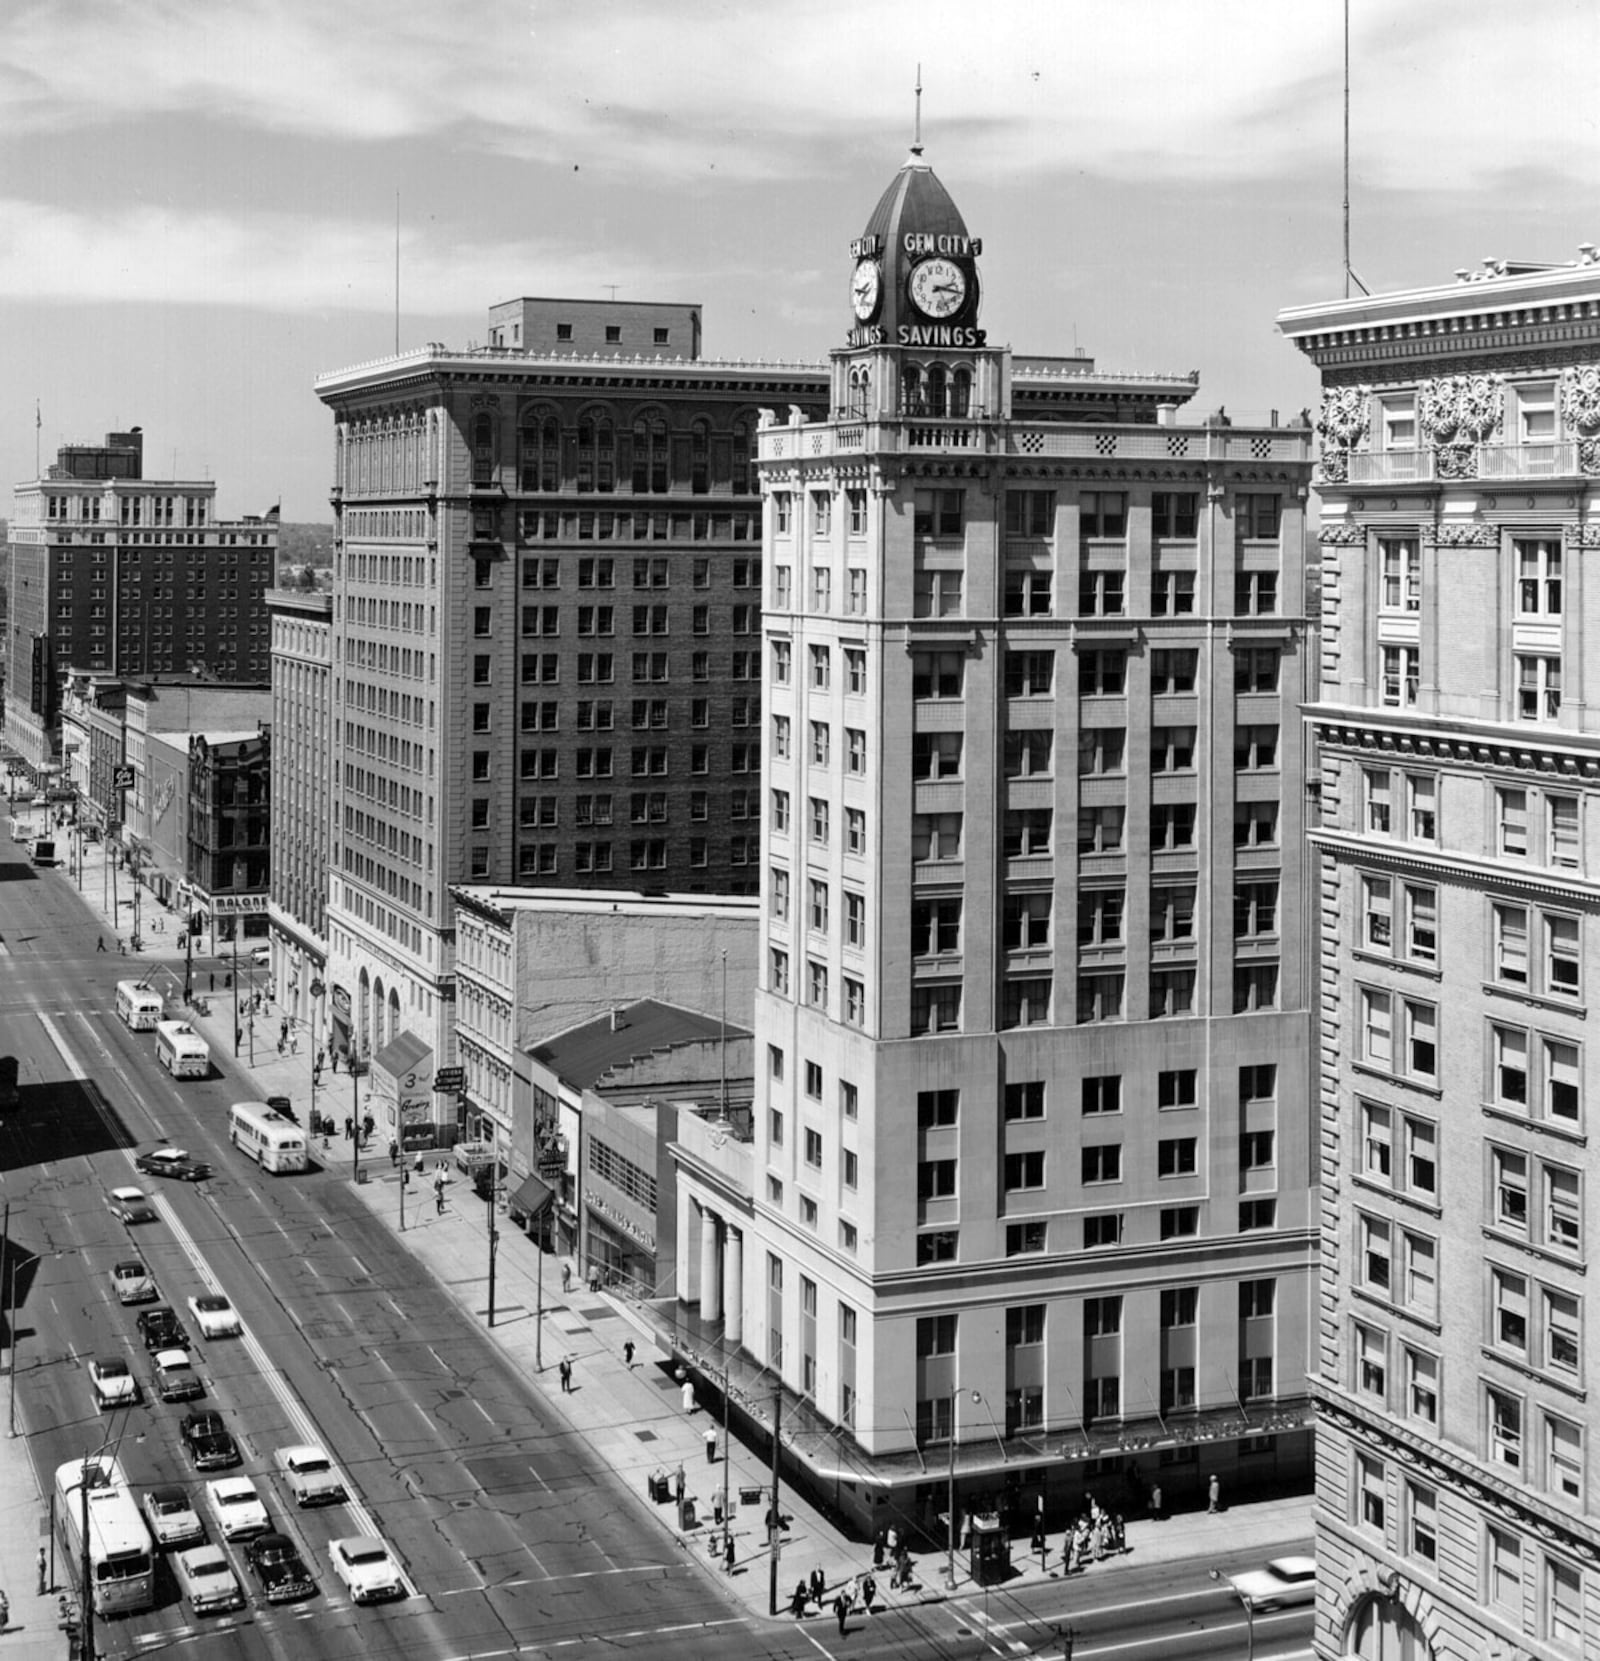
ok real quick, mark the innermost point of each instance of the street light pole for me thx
(950, 1538)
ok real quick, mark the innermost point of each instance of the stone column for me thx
(710, 1280)
(686, 1210)
(733, 1285)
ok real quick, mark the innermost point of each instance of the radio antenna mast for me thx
(916, 131)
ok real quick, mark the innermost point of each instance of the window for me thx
(1538, 577)
(1401, 675)
(1538, 687)
(855, 751)
(1179, 1222)
(1255, 668)
(937, 513)
(1172, 991)
(1100, 749)
(818, 809)
(1103, 1229)
(1257, 1150)
(1561, 1604)
(938, 1246)
(1260, 516)
(1255, 824)
(1172, 749)
(1416, 940)
(1401, 574)
(1172, 912)
(1028, 593)
(1559, 1324)
(1508, 1309)
(1101, 593)
(1102, 513)
(1555, 972)
(1171, 825)
(1255, 748)
(1561, 1226)
(1102, 1162)
(1369, 1486)
(1503, 1569)
(1422, 1521)
(1024, 1239)
(1099, 997)
(1536, 413)
(936, 927)
(1024, 1100)
(855, 663)
(1099, 915)
(1415, 1055)
(1255, 593)
(1504, 1427)
(855, 830)
(1255, 909)
(1024, 1170)
(778, 971)
(1030, 512)
(1172, 670)
(781, 508)
(1563, 1457)
(1026, 833)
(1255, 1214)
(936, 593)
(936, 1179)
(1174, 514)
(935, 836)
(1029, 674)
(1171, 593)
(1026, 1002)
(937, 1109)
(1176, 1156)
(1102, 673)
(1177, 1088)
(936, 674)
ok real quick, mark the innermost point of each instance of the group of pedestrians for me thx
(814, 1590)
(1096, 1535)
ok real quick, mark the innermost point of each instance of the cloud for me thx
(1228, 89)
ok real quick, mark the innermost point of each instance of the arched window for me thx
(860, 387)
(650, 455)
(741, 457)
(700, 457)
(482, 450)
(605, 454)
(961, 392)
(911, 401)
(1384, 1630)
(936, 390)
(528, 453)
(586, 453)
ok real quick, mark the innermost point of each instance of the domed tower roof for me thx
(916, 264)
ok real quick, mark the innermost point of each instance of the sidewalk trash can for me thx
(361, 1173)
(686, 1511)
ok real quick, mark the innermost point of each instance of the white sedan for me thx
(215, 1316)
(237, 1507)
(113, 1383)
(310, 1475)
(1284, 1581)
(130, 1205)
(364, 1564)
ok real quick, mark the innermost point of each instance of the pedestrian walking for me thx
(797, 1604)
(1119, 1534)
(100, 943)
(438, 1196)
(678, 1484)
(902, 1568)
(869, 1591)
(394, 1152)
(877, 1549)
(349, 1128)
(686, 1396)
(122, 951)
(280, 1043)
(627, 1352)
(727, 1550)
(1155, 1502)
(566, 1277)
(1214, 1496)
(841, 1608)
(5, 1612)
(819, 1587)
(44, 1577)
(418, 1163)
(333, 1059)
(566, 1382)
(368, 1125)
(711, 1444)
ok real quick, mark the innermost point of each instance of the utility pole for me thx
(235, 978)
(355, 1115)
(85, 1578)
(727, 1453)
(774, 1514)
(494, 1230)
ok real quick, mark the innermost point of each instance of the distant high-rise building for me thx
(1032, 1135)
(1459, 846)
(112, 573)
(547, 641)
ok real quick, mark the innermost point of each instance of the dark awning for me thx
(532, 1195)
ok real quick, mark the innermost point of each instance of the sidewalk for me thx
(633, 1416)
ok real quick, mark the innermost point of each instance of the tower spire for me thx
(916, 130)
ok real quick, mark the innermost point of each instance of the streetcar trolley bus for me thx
(272, 1141)
(139, 1007)
(181, 1050)
(120, 1561)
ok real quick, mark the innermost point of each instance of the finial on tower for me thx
(916, 132)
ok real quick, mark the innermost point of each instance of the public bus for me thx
(181, 1050)
(139, 1006)
(272, 1141)
(121, 1564)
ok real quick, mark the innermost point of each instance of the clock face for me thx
(938, 287)
(866, 289)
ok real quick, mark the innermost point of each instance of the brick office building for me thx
(547, 613)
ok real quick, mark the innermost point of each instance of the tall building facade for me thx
(1032, 1152)
(546, 653)
(112, 573)
(1457, 843)
(302, 834)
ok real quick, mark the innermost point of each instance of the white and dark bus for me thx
(116, 1542)
(181, 1050)
(274, 1142)
(139, 1006)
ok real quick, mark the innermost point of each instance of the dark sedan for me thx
(208, 1442)
(160, 1329)
(173, 1162)
(275, 1561)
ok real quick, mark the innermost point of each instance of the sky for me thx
(199, 202)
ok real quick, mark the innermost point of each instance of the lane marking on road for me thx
(611, 1638)
(556, 1579)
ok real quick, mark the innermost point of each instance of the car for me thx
(261, 956)
(207, 1580)
(173, 1162)
(1283, 1582)
(237, 1507)
(215, 1316)
(113, 1383)
(275, 1561)
(209, 1442)
(363, 1562)
(173, 1376)
(130, 1205)
(172, 1519)
(310, 1476)
(161, 1329)
(132, 1282)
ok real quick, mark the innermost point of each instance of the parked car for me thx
(209, 1443)
(215, 1316)
(1284, 1581)
(113, 1383)
(207, 1581)
(130, 1205)
(275, 1561)
(173, 1162)
(363, 1562)
(161, 1329)
(261, 956)
(237, 1507)
(172, 1519)
(173, 1376)
(132, 1282)
(310, 1476)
